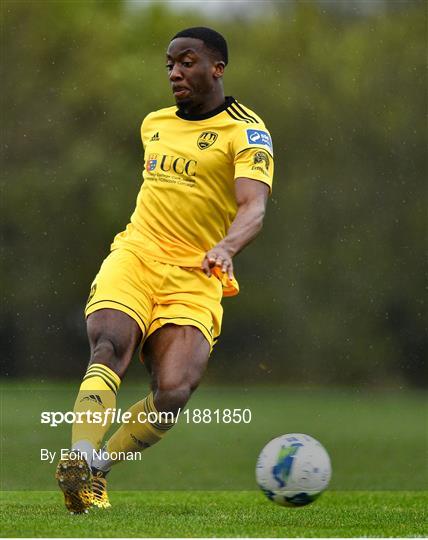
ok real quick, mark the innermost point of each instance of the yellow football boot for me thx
(75, 480)
(99, 489)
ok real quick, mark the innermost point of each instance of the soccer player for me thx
(207, 176)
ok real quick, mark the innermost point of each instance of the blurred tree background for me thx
(333, 289)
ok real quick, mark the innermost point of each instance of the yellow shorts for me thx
(155, 294)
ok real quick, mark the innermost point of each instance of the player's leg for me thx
(117, 312)
(113, 338)
(184, 326)
(176, 357)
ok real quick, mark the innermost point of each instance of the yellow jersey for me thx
(187, 200)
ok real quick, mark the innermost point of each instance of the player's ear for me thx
(219, 69)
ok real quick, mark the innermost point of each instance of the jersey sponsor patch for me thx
(259, 138)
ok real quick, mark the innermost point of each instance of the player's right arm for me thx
(251, 198)
(253, 160)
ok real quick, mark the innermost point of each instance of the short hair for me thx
(212, 39)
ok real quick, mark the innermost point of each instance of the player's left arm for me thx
(251, 198)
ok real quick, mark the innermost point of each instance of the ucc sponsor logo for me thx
(177, 164)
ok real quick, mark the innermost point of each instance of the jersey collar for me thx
(228, 101)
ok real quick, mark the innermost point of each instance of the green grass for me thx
(377, 441)
(221, 514)
(199, 481)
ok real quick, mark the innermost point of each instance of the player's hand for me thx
(220, 258)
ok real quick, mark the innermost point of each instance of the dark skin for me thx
(177, 356)
(195, 74)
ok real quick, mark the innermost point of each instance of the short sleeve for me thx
(253, 154)
(144, 130)
(246, 137)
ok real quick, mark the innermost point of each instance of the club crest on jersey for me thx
(259, 138)
(151, 162)
(207, 139)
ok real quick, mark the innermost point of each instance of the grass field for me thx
(221, 514)
(199, 481)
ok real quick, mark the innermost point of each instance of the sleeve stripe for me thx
(238, 113)
(229, 112)
(256, 147)
(247, 114)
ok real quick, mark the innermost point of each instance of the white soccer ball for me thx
(293, 469)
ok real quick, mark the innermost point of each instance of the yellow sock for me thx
(133, 437)
(97, 393)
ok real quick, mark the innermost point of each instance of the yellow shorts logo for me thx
(207, 139)
(92, 292)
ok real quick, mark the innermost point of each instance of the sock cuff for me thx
(162, 424)
(109, 377)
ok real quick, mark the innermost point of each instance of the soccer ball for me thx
(293, 469)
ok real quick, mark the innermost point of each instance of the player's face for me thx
(192, 72)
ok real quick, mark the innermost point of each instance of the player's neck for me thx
(214, 102)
